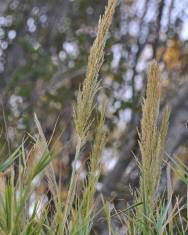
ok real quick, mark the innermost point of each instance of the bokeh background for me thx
(44, 46)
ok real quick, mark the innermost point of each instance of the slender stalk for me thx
(72, 187)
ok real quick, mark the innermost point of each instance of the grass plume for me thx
(86, 96)
(151, 137)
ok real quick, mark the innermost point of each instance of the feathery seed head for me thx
(151, 139)
(86, 95)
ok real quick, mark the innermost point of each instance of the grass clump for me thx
(148, 214)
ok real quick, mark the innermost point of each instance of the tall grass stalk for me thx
(85, 105)
(152, 140)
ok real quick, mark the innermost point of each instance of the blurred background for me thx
(44, 46)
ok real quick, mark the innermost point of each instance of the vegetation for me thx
(24, 210)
